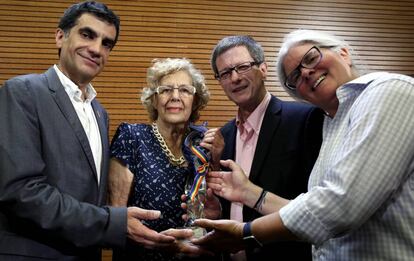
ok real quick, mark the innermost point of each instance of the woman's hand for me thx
(214, 142)
(182, 246)
(225, 236)
(212, 206)
(231, 185)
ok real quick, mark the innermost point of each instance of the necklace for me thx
(173, 160)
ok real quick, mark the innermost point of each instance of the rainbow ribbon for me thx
(200, 158)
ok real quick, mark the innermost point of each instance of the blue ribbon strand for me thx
(197, 157)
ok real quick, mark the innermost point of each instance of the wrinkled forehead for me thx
(232, 57)
(176, 78)
(294, 56)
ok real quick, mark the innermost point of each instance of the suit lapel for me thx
(102, 124)
(66, 107)
(270, 124)
(229, 134)
(101, 119)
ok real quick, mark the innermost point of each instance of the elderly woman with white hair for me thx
(148, 168)
(359, 204)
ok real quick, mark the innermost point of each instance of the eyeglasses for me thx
(309, 61)
(240, 68)
(183, 90)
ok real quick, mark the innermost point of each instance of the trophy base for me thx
(198, 231)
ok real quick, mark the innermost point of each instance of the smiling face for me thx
(319, 84)
(175, 108)
(85, 49)
(246, 90)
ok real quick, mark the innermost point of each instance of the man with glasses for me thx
(275, 142)
(359, 203)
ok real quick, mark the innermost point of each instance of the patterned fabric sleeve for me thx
(123, 145)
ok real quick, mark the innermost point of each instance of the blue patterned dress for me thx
(157, 184)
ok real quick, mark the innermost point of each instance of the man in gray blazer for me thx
(54, 153)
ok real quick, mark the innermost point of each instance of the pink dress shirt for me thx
(246, 141)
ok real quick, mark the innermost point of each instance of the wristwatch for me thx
(250, 241)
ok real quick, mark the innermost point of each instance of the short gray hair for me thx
(254, 48)
(318, 38)
(163, 67)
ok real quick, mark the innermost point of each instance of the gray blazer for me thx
(49, 193)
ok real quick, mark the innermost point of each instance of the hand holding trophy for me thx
(195, 189)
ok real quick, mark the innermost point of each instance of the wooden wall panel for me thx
(381, 31)
(156, 29)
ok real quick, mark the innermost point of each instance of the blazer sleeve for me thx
(313, 136)
(28, 201)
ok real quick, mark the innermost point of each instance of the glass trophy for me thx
(196, 188)
(195, 206)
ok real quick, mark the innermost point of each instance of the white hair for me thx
(318, 38)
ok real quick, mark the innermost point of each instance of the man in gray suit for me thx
(54, 153)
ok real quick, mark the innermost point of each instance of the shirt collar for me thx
(364, 79)
(254, 121)
(72, 89)
(356, 86)
(350, 91)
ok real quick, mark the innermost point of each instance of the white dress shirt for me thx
(86, 116)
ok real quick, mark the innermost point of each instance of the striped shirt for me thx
(360, 199)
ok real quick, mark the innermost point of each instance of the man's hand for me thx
(141, 234)
(213, 141)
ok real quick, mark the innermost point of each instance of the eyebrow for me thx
(92, 32)
(173, 85)
(231, 68)
(88, 30)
